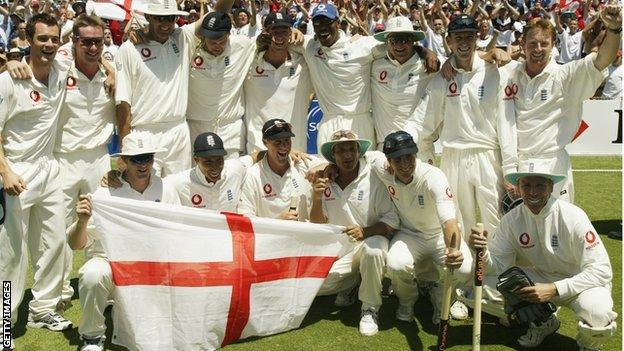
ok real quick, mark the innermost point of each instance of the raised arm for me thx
(612, 19)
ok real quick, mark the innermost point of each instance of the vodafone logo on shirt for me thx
(147, 54)
(198, 61)
(525, 241)
(328, 194)
(591, 239)
(196, 200)
(452, 88)
(511, 91)
(319, 53)
(391, 190)
(35, 96)
(259, 72)
(382, 77)
(71, 83)
(449, 193)
(268, 189)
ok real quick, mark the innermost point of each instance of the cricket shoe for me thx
(51, 320)
(459, 311)
(536, 334)
(93, 344)
(368, 323)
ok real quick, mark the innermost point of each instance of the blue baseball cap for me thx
(327, 10)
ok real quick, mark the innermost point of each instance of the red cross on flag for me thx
(193, 279)
(118, 10)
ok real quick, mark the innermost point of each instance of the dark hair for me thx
(44, 18)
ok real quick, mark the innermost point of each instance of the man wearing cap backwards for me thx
(218, 67)
(423, 201)
(340, 72)
(357, 200)
(152, 84)
(549, 97)
(276, 187)
(95, 283)
(556, 245)
(476, 128)
(213, 184)
(30, 178)
(277, 86)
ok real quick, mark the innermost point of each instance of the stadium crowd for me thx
(210, 102)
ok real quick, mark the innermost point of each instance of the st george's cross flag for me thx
(118, 10)
(192, 279)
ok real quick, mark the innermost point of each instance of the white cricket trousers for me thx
(80, 172)
(476, 179)
(174, 138)
(409, 254)
(368, 259)
(557, 163)
(362, 124)
(34, 226)
(232, 133)
(95, 286)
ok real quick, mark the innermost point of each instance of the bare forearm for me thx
(608, 50)
(379, 228)
(450, 229)
(77, 237)
(317, 214)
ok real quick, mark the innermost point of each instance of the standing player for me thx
(549, 97)
(34, 200)
(218, 67)
(476, 128)
(277, 86)
(357, 200)
(557, 247)
(424, 203)
(95, 278)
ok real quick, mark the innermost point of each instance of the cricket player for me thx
(278, 85)
(358, 200)
(476, 126)
(95, 284)
(276, 187)
(340, 72)
(86, 123)
(424, 204)
(30, 178)
(549, 97)
(217, 73)
(214, 183)
(556, 245)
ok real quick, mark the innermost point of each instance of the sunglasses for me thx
(400, 39)
(89, 42)
(169, 18)
(141, 159)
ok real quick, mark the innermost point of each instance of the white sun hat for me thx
(163, 8)
(399, 24)
(138, 143)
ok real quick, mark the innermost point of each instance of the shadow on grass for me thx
(607, 226)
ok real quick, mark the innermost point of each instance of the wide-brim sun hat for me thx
(342, 136)
(138, 143)
(534, 168)
(163, 8)
(399, 24)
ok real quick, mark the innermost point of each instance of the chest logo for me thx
(196, 199)
(421, 200)
(391, 190)
(35, 96)
(524, 239)
(449, 193)
(267, 188)
(145, 52)
(511, 91)
(198, 61)
(383, 75)
(543, 95)
(71, 82)
(452, 88)
(327, 192)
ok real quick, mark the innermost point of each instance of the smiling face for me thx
(215, 47)
(108, 37)
(161, 27)
(44, 43)
(138, 171)
(279, 37)
(463, 45)
(88, 46)
(278, 150)
(326, 30)
(401, 46)
(535, 192)
(210, 166)
(403, 167)
(438, 26)
(243, 19)
(538, 45)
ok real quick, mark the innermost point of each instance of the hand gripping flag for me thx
(192, 279)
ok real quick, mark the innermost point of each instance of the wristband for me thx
(616, 31)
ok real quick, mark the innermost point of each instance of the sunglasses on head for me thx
(141, 159)
(279, 127)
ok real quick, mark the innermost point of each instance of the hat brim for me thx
(514, 178)
(164, 12)
(407, 151)
(212, 34)
(326, 148)
(280, 24)
(142, 152)
(325, 15)
(280, 135)
(213, 152)
(381, 36)
(460, 30)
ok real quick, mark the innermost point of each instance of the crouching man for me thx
(558, 249)
(357, 200)
(95, 285)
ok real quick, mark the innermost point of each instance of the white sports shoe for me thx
(459, 311)
(368, 323)
(52, 321)
(405, 313)
(536, 334)
(93, 344)
(346, 298)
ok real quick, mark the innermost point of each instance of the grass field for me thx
(327, 328)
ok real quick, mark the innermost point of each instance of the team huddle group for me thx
(217, 121)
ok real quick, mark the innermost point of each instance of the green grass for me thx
(327, 328)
